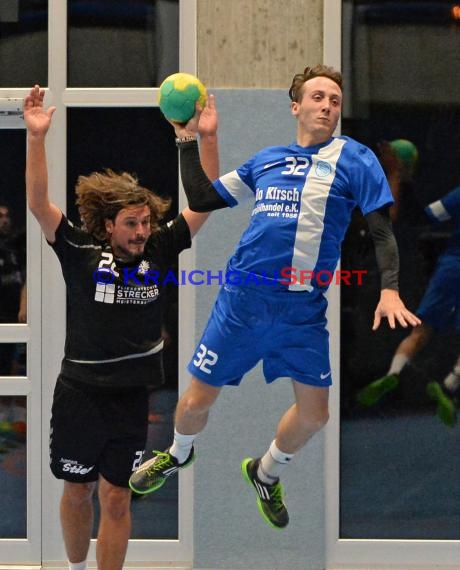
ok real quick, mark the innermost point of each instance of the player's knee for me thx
(78, 494)
(193, 404)
(198, 399)
(115, 502)
(321, 420)
(314, 421)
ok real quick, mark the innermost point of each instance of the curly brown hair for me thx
(320, 70)
(101, 195)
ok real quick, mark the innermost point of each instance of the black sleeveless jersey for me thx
(115, 309)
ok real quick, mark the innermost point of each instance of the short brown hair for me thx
(320, 70)
(101, 195)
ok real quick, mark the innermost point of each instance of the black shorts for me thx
(94, 432)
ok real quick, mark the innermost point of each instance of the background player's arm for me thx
(445, 209)
(386, 250)
(38, 121)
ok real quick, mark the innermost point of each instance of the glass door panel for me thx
(23, 42)
(121, 43)
(399, 470)
(13, 467)
(20, 359)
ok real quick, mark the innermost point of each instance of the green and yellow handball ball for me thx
(178, 94)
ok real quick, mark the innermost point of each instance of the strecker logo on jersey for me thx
(114, 288)
(136, 295)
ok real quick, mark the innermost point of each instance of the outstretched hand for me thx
(391, 307)
(204, 121)
(36, 117)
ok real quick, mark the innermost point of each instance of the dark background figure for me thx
(399, 159)
(420, 245)
(439, 311)
(13, 308)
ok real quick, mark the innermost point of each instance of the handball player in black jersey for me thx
(113, 269)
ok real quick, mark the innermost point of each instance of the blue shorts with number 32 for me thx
(285, 330)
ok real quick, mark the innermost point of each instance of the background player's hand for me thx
(391, 307)
(204, 121)
(36, 118)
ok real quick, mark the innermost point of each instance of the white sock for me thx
(78, 565)
(398, 363)
(272, 464)
(452, 380)
(182, 445)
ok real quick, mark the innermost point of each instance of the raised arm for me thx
(38, 121)
(199, 168)
(386, 250)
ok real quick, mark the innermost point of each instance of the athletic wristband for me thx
(181, 140)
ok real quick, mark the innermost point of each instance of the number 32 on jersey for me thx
(296, 165)
(205, 358)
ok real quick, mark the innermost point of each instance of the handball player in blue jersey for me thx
(274, 296)
(113, 342)
(440, 312)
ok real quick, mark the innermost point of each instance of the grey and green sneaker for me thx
(374, 392)
(270, 497)
(446, 409)
(152, 474)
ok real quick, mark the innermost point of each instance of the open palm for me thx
(36, 118)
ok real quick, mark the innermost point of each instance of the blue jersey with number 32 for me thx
(304, 197)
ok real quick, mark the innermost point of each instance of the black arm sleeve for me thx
(386, 248)
(201, 194)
